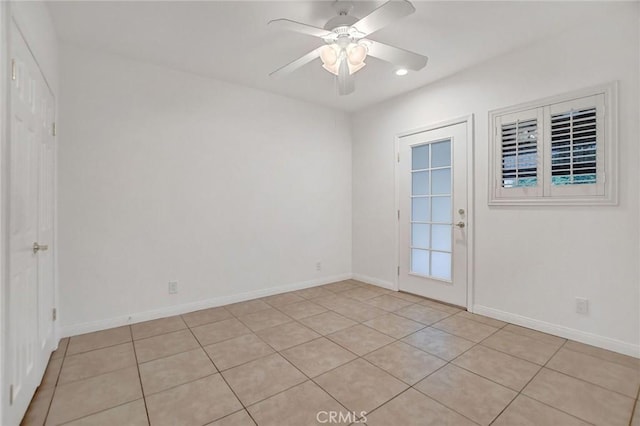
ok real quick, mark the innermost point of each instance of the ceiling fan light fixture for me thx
(346, 46)
(329, 55)
(333, 69)
(356, 53)
(332, 56)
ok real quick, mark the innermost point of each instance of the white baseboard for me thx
(558, 330)
(374, 281)
(88, 327)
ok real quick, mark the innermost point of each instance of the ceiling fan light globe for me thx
(328, 55)
(357, 54)
(333, 69)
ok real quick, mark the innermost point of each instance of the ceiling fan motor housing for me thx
(340, 21)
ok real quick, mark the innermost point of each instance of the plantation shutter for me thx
(520, 153)
(576, 130)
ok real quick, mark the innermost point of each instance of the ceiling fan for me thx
(346, 47)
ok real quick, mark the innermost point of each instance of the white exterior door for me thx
(30, 294)
(432, 192)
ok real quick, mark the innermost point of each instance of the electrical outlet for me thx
(173, 287)
(582, 305)
(318, 266)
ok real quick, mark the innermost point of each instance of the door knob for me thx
(460, 224)
(37, 247)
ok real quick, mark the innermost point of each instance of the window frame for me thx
(603, 192)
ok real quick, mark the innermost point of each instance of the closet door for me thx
(30, 195)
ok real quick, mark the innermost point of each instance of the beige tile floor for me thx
(345, 347)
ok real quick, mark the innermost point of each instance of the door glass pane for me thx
(441, 181)
(431, 210)
(419, 183)
(441, 209)
(420, 261)
(420, 209)
(441, 237)
(441, 265)
(420, 235)
(441, 154)
(420, 157)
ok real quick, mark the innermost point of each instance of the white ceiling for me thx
(230, 40)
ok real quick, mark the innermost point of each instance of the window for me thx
(555, 151)
(431, 214)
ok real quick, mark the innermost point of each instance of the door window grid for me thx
(431, 210)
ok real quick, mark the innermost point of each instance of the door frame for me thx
(470, 218)
(4, 115)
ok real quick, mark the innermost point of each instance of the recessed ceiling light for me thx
(401, 71)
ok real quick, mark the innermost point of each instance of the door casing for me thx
(470, 216)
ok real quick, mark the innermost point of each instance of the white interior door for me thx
(46, 214)
(30, 290)
(432, 193)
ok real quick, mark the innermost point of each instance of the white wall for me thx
(590, 252)
(169, 176)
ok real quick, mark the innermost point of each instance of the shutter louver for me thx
(573, 147)
(520, 154)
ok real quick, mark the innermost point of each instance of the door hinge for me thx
(53, 129)
(11, 395)
(398, 214)
(55, 314)
(398, 271)
(398, 157)
(13, 69)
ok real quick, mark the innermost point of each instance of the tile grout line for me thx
(450, 362)
(579, 378)
(635, 406)
(302, 372)
(357, 322)
(135, 354)
(108, 408)
(541, 402)
(97, 412)
(99, 374)
(373, 365)
(357, 356)
(529, 381)
(602, 359)
(312, 379)
(55, 385)
(218, 371)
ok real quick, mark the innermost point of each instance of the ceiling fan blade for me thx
(383, 16)
(346, 83)
(396, 56)
(299, 27)
(301, 61)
